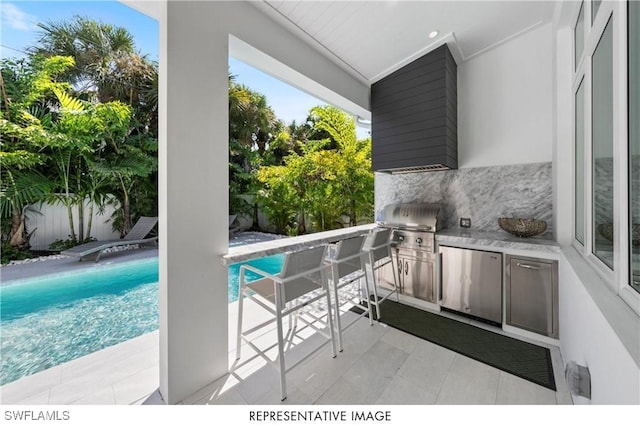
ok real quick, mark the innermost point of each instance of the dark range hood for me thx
(415, 117)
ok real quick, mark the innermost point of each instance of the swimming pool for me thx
(50, 320)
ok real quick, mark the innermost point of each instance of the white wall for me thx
(586, 336)
(51, 222)
(193, 175)
(505, 99)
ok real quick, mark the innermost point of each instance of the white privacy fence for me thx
(52, 223)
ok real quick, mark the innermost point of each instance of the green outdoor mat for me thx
(527, 361)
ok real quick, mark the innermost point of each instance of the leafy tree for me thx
(107, 69)
(323, 180)
(20, 188)
(25, 88)
(126, 165)
(278, 198)
(95, 47)
(255, 134)
(106, 66)
(353, 171)
(72, 151)
(68, 152)
(78, 121)
(105, 154)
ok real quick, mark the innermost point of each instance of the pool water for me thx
(50, 320)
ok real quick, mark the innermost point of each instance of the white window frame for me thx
(618, 278)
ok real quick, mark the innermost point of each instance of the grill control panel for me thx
(416, 240)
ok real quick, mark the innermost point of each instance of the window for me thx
(633, 48)
(579, 163)
(606, 141)
(578, 37)
(602, 148)
(595, 5)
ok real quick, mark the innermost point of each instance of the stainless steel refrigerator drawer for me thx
(471, 282)
(532, 295)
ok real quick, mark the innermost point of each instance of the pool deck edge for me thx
(46, 267)
(125, 373)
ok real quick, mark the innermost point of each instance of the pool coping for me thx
(126, 373)
(10, 273)
(85, 269)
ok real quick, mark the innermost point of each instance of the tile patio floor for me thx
(379, 365)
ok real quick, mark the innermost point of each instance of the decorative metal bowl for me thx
(522, 227)
(635, 234)
(606, 231)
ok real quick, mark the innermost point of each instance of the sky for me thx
(288, 102)
(19, 19)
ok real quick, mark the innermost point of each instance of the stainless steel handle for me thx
(440, 278)
(530, 267)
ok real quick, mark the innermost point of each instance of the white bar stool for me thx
(378, 254)
(346, 268)
(303, 275)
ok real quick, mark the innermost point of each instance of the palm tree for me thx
(19, 189)
(124, 165)
(252, 122)
(93, 45)
(107, 68)
(107, 65)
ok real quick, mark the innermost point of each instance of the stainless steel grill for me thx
(412, 216)
(414, 226)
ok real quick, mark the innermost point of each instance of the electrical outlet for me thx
(465, 222)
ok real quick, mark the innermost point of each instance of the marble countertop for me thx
(272, 247)
(497, 239)
(493, 239)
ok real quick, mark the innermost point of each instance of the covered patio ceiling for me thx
(370, 39)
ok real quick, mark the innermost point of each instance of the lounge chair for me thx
(136, 236)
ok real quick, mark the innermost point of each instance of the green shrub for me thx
(61, 245)
(9, 253)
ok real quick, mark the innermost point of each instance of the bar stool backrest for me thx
(296, 263)
(345, 255)
(379, 237)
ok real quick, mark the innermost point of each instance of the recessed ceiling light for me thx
(363, 122)
(433, 34)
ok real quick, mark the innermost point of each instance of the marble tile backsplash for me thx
(482, 194)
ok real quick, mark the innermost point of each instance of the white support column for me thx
(194, 202)
(193, 172)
